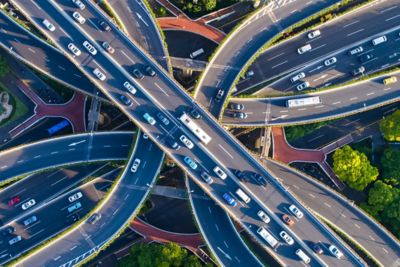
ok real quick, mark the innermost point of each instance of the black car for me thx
(8, 231)
(240, 115)
(366, 57)
(317, 249)
(104, 26)
(150, 71)
(137, 74)
(171, 142)
(125, 100)
(94, 218)
(236, 106)
(195, 114)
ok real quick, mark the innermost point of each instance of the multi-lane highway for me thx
(176, 101)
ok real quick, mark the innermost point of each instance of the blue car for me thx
(192, 164)
(230, 200)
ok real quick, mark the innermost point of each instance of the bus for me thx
(57, 127)
(243, 195)
(267, 237)
(305, 101)
(196, 53)
(194, 128)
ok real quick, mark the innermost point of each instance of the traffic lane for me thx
(32, 187)
(219, 232)
(40, 55)
(21, 160)
(115, 213)
(35, 233)
(343, 214)
(351, 27)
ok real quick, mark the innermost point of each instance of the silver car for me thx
(28, 204)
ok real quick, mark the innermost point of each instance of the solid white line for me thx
(225, 151)
(319, 47)
(392, 18)
(65, 177)
(351, 23)
(276, 56)
(277, 65)
(159, 87)
(131, 60)
(350, 34)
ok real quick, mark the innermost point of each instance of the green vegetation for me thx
(197, 8)
(110, 12)
(391, 164)
(19, 108)
(297, 131)
(390, 127)
(156, 255)
(354, 168)
(161, 12)
(4, 68)
(65, 92)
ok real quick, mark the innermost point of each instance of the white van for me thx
(303, 256)
(267, 237)
(379, 40)
(304, 49)
(243, 195)
(196, 53)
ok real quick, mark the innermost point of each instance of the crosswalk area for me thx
(275, 4)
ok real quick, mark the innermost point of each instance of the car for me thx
(304, 49)
(130, 87)
(206, 177)
(195, 114)
(145, 136)
(49, 25)
(30, 220)
(356, 50)
(358, 71)
(75, 196)
(79, 4)
(286, 237)
(150, 71)
(317, 249)
(192, 164)
(390, 80)
(75, 50)
(186, 141)
(297, 77)
(296, 212)
(314, 34)
(248, 74)
(302, 86)
(90, 48)
(14, 240)
(108, 47)
(230, 200)
(99, 74)
(330, 61)
(137, 74)
(236, 106)
(94, 218)
(104, 25)
(28, 204)
(171, 142)
(379, 40)
(125, 100)
(263, 216)
(240, 115)
(8, 231)
(163, 118)
(220, 95)
(335, 251)
(149, 118)
(135, 165)
(13, 201)
(366, 57)
(75, 217)
(286, 218)
(262, 180)
(74, 207)
(78, 17)
(220, 172)
(241, 176)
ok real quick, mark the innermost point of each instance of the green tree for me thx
(390, 127)
(391, 215)
(209, 4)
(162, 12)
(371, 210)
(391, 163)
(381, 195)
(4, 68)
(353, 168)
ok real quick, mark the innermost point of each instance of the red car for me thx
(286, 218)
(15, 200)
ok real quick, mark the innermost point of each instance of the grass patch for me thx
(19, 108)
(297, 131)
(64, 91)
(202, 7)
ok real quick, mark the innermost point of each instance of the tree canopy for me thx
(4, 68)
(391, 163)
(353, 168)
(390, 127)
(381, 195)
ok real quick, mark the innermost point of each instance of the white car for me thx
(75, 196)
(90, 48)
(78, 17)
(314, 34)
(297, 77)
(356, 50)
(330, 61)
(335, 251)
(145, 136)
(75, 50)
(186, 141)
(264, 217)
(15, 240)
(220, 173)
(296, 212)
(302, 86)
(288, 239)
(149, 118)
(99, 74)
(135, 165)
(49, 25)
(130, 87)
(79, 4)
(304, 49)
(28, 204)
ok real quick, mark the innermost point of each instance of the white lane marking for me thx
(30, 49)
(392, 18)
(216, 226)
(61, 67)
(351, 23)
(74, 247)
(225, 151)
(326, 204)
(389, 8)
(209, 209)
(317, 137)
(131, 60)
(38, 156)
(115, 211)
(387, 89)
(126, 197)
(320, 106)
(372, 93)
(57, 258)
(295, 186)
(284, 111)
(353, 98)
(159, 87)
(106, 146)
(71, 149)
(335, 103)
(77, 75)
(226, 244)
(3, 167)
(355, 32)
(302, 109)
(356, 225)
(344, 216)
(20, 161)
(373, 239)
(319, 47)
(277, 65)
(65, 177)
(276, 56)
(385, 250)
(38, 7)
(54, 152)
(35, 234)
(311, 195)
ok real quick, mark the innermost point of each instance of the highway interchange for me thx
(164, 87)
